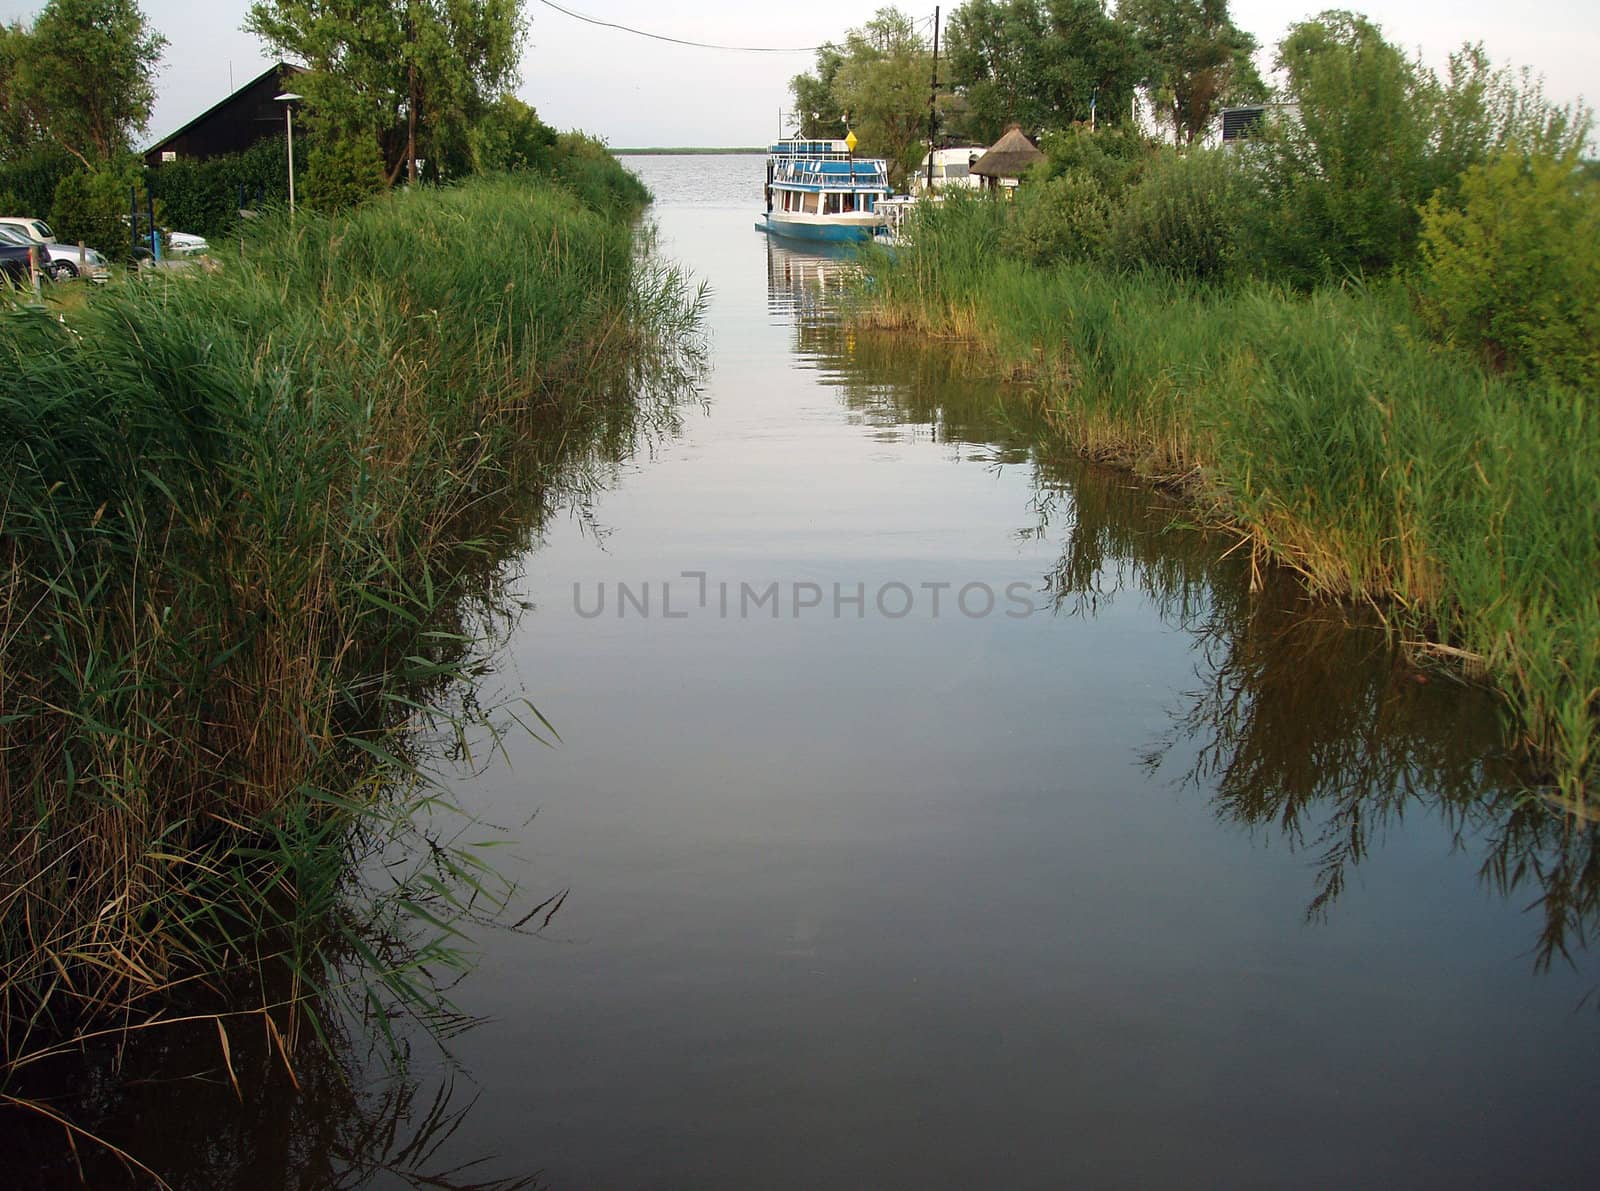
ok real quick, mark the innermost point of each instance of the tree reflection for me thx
(1308, 724)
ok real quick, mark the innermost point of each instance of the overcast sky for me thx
(636, 92)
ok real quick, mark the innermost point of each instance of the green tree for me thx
(883, 85)
(1482, 110)
(410, 78)
(1373, 135)
(85, 76)
(878, 78)
(1343, 176)
(20, 128)
(1043, 64)
(821, 115)
(1196, 59)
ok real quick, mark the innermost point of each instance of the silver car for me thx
(61, 261)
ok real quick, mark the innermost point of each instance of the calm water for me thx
(1139, 878)
(1164, 883)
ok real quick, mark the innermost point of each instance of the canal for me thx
(1158, 875)
(934, 809)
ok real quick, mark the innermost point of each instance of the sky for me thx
(636, 92)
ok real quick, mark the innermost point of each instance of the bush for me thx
(511, 137)
(1063, 219)
(1514, 273)
(1111, 157)
(1373, 136)
(341, 171)
(587, 168)
(205, 196)
(31, 180)
(1180, 217)
(93, 208)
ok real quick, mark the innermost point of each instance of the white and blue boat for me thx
(819, 190)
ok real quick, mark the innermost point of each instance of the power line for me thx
(701, 45)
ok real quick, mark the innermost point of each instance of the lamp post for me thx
(289, 99)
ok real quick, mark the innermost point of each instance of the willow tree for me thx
(392, 81)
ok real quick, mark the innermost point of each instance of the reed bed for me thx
(1329, 432)
(239, 514)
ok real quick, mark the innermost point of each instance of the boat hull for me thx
(819, 230)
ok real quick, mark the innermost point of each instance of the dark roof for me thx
(1009, 157)
(234, 122)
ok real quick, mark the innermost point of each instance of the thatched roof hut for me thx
(1008, 158)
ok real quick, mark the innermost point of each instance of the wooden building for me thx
(250, 114)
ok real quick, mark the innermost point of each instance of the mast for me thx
(933, 98)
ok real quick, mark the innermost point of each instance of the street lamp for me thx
(289, 99)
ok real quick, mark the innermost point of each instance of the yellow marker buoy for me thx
(850, 141)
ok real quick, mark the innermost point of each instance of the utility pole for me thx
(933, 98)
(411, 95)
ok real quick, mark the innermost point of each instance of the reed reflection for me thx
(296, 1071)
(1308, 724)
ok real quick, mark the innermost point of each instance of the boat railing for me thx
(813, 173)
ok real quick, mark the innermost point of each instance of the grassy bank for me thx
(244, 514)
(1330, 431)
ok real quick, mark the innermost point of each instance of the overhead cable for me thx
(702, 45)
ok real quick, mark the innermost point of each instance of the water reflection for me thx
(345, 1118)
(1307, 724)
(314, 1083)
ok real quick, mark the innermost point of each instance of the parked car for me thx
(61, 261)
(36, 230)
(18, 259)
(173, 243)
(14, 264)
(185, 244)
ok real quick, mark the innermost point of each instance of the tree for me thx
(1374, 135)
(1043, 64)
(20, 128)
(1196, 59)
(879, 78)
(883, 85)
(821, 114)
(398, 79)
(1341, 179)
(84, 76)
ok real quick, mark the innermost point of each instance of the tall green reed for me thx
(243, 515)
(1329, 431)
